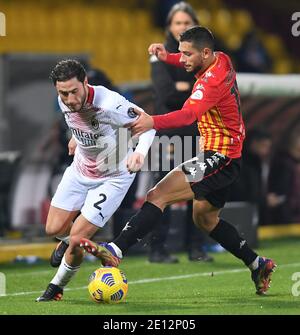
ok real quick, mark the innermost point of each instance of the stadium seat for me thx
(204, 17)
(58, 28)
(283, 66)
(222, 22)
(242, 21)
(274, 45)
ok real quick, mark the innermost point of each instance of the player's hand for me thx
(158, 50)
(72, 146)
(142, 124)
(135, 162)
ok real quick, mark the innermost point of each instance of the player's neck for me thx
(209, 62)
(206, 65)
(86, 89)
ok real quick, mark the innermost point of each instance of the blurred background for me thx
(111, 39)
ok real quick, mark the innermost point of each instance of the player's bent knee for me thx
(198, 220)
(156, 197)
(207, 221)
(152, 194)
(52, 230)
(56, 226)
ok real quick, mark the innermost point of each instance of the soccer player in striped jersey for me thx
(104, 166)
(215, 105)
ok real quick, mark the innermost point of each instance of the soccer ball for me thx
(108, 285)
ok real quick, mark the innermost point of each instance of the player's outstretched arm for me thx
(142, 124)
(158, 50)
(176, 119)
(136, 160)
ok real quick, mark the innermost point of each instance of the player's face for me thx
(73, 93)
(180, 22)
(192, 58)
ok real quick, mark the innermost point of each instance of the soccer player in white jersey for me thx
(94, 185)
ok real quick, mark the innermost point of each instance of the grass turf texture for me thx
(188, 288)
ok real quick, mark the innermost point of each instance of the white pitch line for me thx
(51, 270)
(152, 280)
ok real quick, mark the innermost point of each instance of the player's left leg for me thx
(206, 216)
(65, 207)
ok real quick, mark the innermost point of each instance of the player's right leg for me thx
(210, 196)
(65, 205)
(171, 189)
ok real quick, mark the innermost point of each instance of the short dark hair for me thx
(66, 70)
(182, 7)
(200, 37)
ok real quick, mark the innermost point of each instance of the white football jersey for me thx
(102, 146)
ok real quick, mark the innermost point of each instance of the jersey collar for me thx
(91, 93)
(200, 73)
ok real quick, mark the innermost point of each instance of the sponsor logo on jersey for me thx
(95, 123)
(131, 113)
(208, 74)
(85, 138)
(200, 87)
(197, 95)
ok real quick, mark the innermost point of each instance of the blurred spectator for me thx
(284, 183)
(252, 56)
(98, 77)
(252, 185)
(172, 87)
(161, 10)
(60, 137)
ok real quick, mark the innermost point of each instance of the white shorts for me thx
(97, 199)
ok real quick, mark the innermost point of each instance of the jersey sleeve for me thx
(176, 119)
(174, 59)
(122, 111)
(201, 100)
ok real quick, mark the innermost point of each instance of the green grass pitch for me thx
(187, 288)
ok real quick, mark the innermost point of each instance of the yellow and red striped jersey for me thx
(215, 104)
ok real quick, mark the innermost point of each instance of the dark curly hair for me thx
(66, 70)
